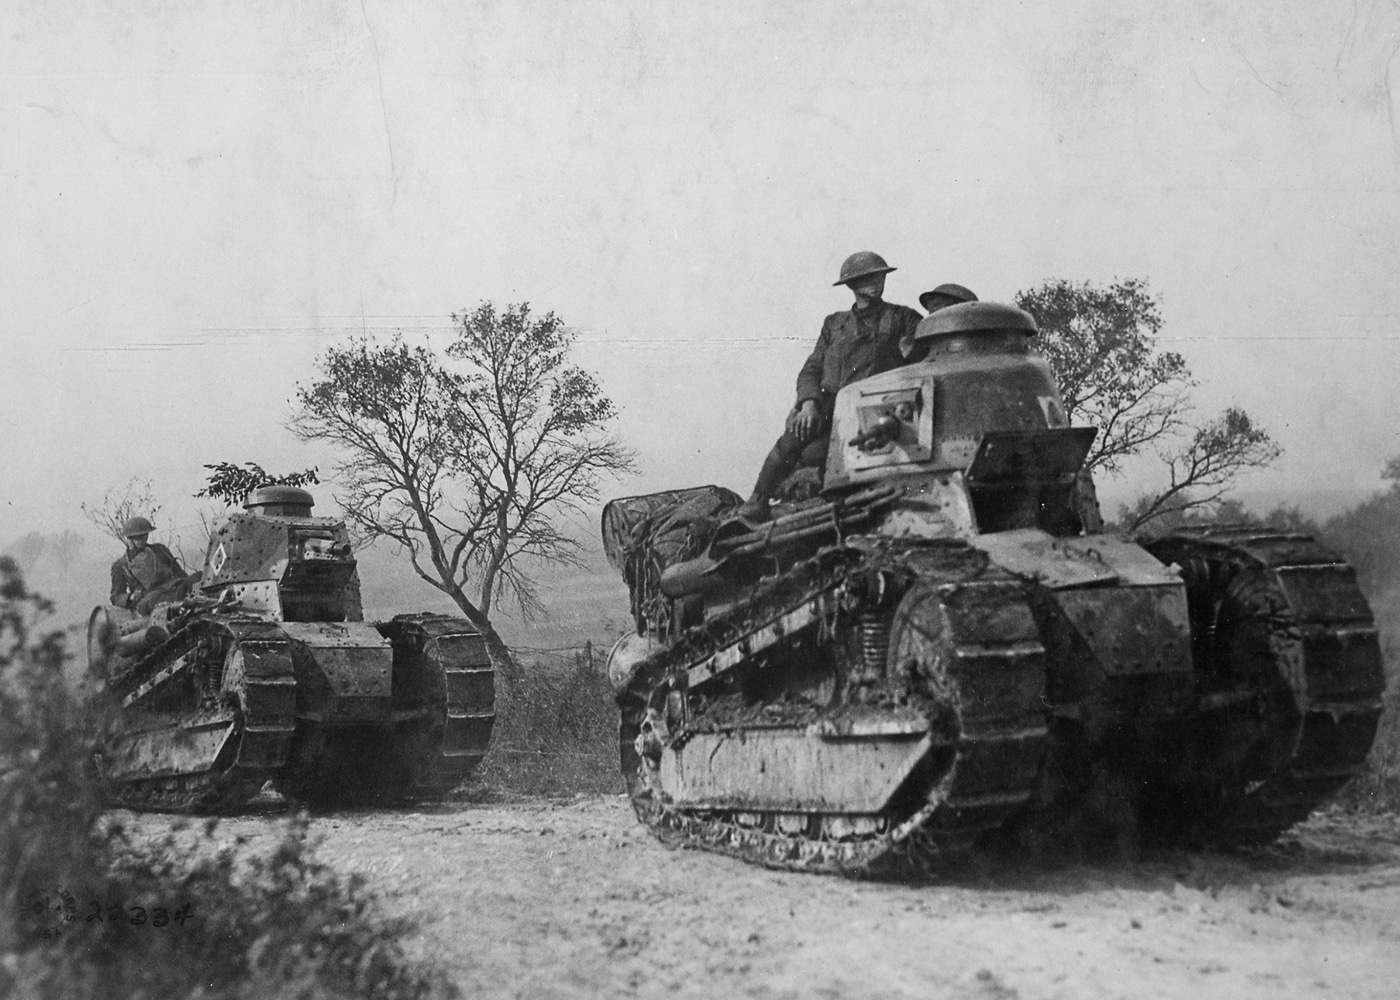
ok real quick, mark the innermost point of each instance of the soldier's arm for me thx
(809, 379)
(171, 560)
(909, 348)
(118, 596)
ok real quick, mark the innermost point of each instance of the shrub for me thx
(556, 733)
(89, 912)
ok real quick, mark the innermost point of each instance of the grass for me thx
(556, 731)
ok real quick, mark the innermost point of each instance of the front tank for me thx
(944, 648)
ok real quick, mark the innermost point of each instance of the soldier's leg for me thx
(814, 451)
(781, 460)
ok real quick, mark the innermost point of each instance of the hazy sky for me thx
(198, 198)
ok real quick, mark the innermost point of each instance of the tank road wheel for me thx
(443, 679)
(930, 733)
(205, 721)
(1289, 680)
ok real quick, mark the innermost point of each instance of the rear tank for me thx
(271, 672)
(945, 648)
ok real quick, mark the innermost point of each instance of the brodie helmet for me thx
(137, 526)
(862, 265)
(946, 295)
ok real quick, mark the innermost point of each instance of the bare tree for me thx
(468, 460)
(120, 504)
(1201, 471)
(1101, 344)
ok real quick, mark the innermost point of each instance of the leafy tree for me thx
(1369, 533)
(468, 459)
(1102, 345)
(233, 483)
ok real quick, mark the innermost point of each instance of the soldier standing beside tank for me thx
(855, 344)
(148, 573)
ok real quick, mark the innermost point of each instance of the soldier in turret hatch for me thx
(855, 344)
(148, 573)
(934, 299)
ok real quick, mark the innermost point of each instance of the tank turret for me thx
(279, 560)
(977, 427)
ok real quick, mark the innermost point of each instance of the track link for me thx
(253, 689)
(457, 684)
(1326, 651)
(989, 733)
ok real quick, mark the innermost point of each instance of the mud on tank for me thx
(271, 672)
(945, 649)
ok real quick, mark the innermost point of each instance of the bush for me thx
(48, 801)
(88, 912)
(556, 732)
(191, 921)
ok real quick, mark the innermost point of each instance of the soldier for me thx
(945, 295)
(933, 300)
(855, 344)
(148, 573)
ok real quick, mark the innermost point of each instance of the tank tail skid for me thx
(959, 758)
(1290, 675)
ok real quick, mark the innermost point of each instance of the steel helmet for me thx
(862, 265)
(957, 293)
(137, 526)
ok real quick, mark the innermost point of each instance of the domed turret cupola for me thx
(279, 501)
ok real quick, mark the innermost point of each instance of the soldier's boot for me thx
(775, 469)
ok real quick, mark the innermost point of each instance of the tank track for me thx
(1325, 651)
(990, 757)
(261, 710)
(460, 688)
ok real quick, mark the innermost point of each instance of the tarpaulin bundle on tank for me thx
(643, 535)
(646, 521)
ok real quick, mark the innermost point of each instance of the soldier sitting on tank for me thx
(148, 574)
(855, 344)
(942, 297)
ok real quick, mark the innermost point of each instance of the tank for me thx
(944, 650)
(270, 672)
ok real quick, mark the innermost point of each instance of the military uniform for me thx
(140, 580)
(854, 344)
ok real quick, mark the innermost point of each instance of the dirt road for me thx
(568, 900)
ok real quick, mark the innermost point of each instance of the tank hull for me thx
(330, 713)
(945, 649)
(885, 703)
